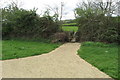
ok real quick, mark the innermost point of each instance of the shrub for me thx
(96, 24)
(20, 23)
(60, 37)
(98, 28)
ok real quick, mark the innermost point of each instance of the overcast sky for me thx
(69, 5)
(42, 4)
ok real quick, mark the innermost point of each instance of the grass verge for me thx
(12, 49)
(103, 56)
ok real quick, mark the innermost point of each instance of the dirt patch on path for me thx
(63, 62)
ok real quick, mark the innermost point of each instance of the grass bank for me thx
(103, 56)
(12, 49)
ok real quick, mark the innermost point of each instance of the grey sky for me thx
(42, 4)
(70, 5)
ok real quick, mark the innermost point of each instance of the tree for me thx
(107, 7)
(58, 11)
(96, 22)
(118, 8)
(21, 23)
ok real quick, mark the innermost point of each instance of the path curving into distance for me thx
(63, 62)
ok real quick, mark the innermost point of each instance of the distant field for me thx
(12, 49)
(70, 24)
(70, 28)
(103, 56)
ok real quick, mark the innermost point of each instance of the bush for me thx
(60, 37)
(49, 27)
(98, 28)
(95, 24)
(20, 23)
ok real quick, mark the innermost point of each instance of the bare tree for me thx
(17, 3)
(58, 11)
(107, 7)
(118, 8)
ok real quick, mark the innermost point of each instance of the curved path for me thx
(63, 62)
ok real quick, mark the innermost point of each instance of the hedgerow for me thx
(21, 23)
(95, 25)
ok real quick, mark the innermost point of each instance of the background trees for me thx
(96, 22)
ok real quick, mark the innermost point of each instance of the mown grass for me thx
(12, 49)
(103, 56)
(70, 28)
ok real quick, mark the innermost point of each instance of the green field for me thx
(70, 24)
(12, 49)
(103, 56)
(70, 28)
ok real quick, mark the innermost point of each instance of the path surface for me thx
(63, 62)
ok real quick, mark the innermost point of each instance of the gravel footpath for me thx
(62, 62)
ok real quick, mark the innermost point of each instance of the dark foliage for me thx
(100, 28)
(20, 23)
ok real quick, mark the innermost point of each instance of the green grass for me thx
(69, 24)
(103, 56)
(70, 28)
(12, 49)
